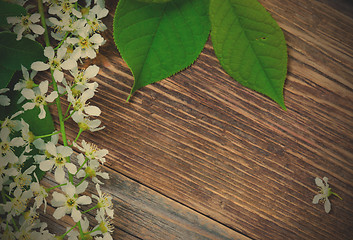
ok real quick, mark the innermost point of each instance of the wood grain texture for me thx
(141, 213)
(199, 142)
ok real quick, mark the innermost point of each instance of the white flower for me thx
(79, 103)
(56, 63)
(41, 145)
(58, 161)
(105, 225)
(25, 24)
(6, 146)
(23, 180)
(69, 202)
(85, 123)
(104, 202)
(325, 192)
(39, 193)
(94, 19)
(27, 81)
(64, 7)
(81, 78)
(67, 24)
(12, 124)
(4, 100)
(92, 168)
(92, 151)
(38, 98)
(87, 45)
(18, 203)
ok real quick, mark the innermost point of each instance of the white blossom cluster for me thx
(75, 29)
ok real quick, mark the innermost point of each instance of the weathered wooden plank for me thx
(141, 213)
(202, 140)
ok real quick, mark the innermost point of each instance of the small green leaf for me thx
(159, 40)
(10, 10)
(250, 45)
(14, 53)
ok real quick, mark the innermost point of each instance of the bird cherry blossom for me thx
(58, 160)
(325, 193)
(39, 98)
(55, 63)
(69, 202)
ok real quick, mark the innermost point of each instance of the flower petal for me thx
(51, 148)
(28, 106)
(46, 165)
(69, 64)
(59, 212)
(43, 87)
(65, 151)
(91, 71)
(327, 205)
(76, 215)
(37, 29)
(317, 198)
(71, 167)
(319, 182)
(59, 175)
(28, 93)
(49, 53)
(58, 75)
(84, 200)
(52, 96)
(24, 72)
(40, 66)
(92, 110)
(61, 52)
(42, 113)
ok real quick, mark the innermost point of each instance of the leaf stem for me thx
(60, 185)
(55, 85)
(92, 208)
(78, 184)
(47, 135)
(69, 116)
(86, 159)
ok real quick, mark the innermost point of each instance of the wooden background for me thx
(198, 156)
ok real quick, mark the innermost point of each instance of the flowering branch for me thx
(76, 33)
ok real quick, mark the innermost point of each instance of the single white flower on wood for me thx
(325, 193)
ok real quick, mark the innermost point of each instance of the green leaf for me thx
(250, 45)
(14, 53)
(159, 40)
(10, 10)
(5, 76)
